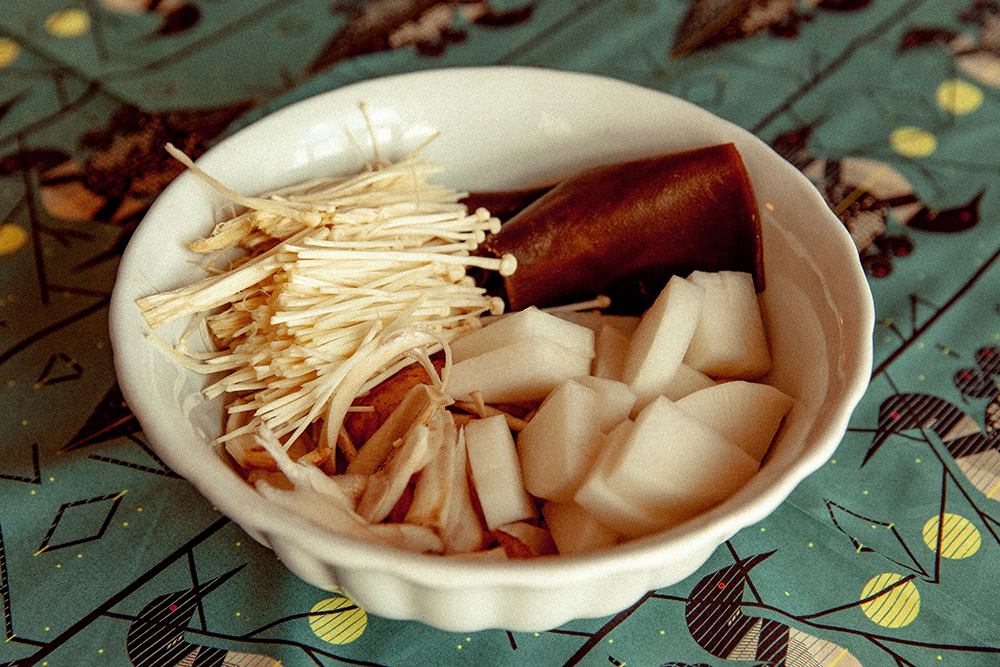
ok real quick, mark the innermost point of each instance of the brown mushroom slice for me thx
(416, 407)
(383, 399)
(317, 499)
(624, 229)
(441, 498)
(421, 444)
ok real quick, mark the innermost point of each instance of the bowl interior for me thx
(501, 129)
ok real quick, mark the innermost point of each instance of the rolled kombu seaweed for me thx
(624, 229)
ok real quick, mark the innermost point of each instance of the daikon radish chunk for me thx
(661, 340)
(729, 339)
(745, 413)
(433, 486)
(523, 371)
(559, 444)
(611, 347)
(674, 466)
(496, 472)
(746, 310)
(614, 400)
(575, 530)
(521, 325)
(597, 320)
(717, 343)
(686, 381)
(461, 531)
(612, 504)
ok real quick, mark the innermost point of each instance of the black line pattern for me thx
(8, 614)
(53, 375)
(36, 477)
(894, 549)
(114, 499)
(111, 419)
(93, 615)
(135, 466)
(87, 91)
(714, 611)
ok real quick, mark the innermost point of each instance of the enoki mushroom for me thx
(343, 282)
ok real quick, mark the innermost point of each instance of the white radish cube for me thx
(745, 413)
(614, 400)
(746, 309)
(575, 530)
(559, 444)
(675, 467)
(717, 343)
(523, 325)
(729, 339)
(686, 381)
(611, 347)
(662, 337)
(526, 370)
(496, 472)
(609, 504)
(627, 324)
(592, 319)
(596, 320)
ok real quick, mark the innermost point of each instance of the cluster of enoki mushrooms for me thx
(339, 284)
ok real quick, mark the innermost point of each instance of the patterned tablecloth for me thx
(891, 106)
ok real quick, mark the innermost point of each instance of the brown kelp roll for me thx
(624, 229)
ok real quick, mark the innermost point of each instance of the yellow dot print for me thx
(12, 238)
(912, 142)
(67, 23)
(338, 620)
(894, 607)
(959, 538)
(959, 97)
(9, 51)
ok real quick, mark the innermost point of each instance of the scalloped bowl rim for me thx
(300, 139)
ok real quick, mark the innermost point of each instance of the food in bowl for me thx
(622, 229)
(348, 282)
(816, 309)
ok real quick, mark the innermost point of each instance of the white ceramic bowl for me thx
(504, 128)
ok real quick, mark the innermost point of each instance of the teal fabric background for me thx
(93, 527)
